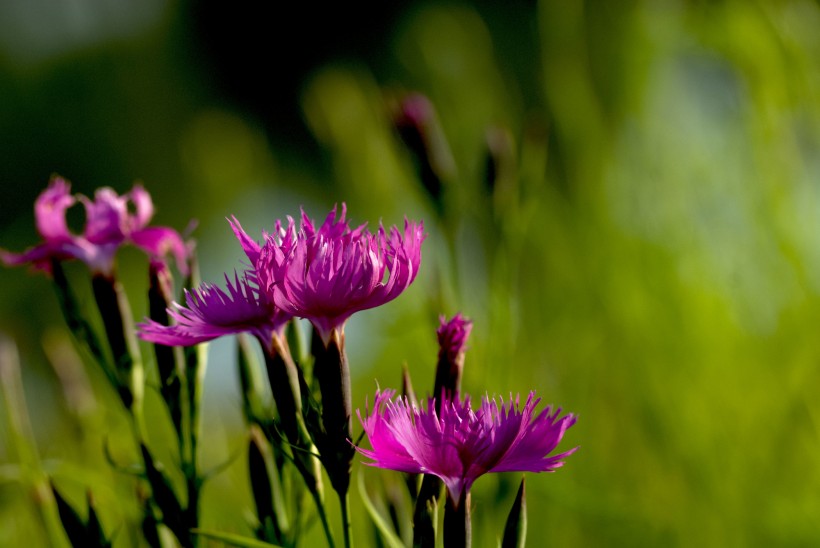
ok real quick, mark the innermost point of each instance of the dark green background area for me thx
(648, 258)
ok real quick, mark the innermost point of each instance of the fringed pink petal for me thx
(106, 217)
(211, 312)
(50, 208)
(459, 445)
(144, 208)
(249, 246)
(326, 275)
(159, 242)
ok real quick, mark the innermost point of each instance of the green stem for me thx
(317, 497)
(424, 516)
(333, 375)
(344, 500)
(332, 372)
(138, 425)
(169, 359)
(195, 364)
(284, 384)
(115, 312)
(284, 378)
(457, 523)
(191, 512)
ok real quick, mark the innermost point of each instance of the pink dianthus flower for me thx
(327, 275)
(458, 444)
(109, 224)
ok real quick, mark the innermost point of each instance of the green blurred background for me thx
(646, 257)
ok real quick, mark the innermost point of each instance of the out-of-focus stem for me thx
(77, 323)
(23, 446)
(323, 518)
(169, 359)
(115, 311)
(195, 365)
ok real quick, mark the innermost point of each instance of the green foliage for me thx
(515, 531)
(629, 213)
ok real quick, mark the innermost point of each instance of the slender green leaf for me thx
(389, 537)
(265, 483)
(515, 532)
(72, 521)
(93, 527)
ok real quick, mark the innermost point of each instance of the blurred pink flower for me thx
(452, 337)
(327, 275)
(109, 224)
(459, 445)
(452, 341)
(212, 312)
